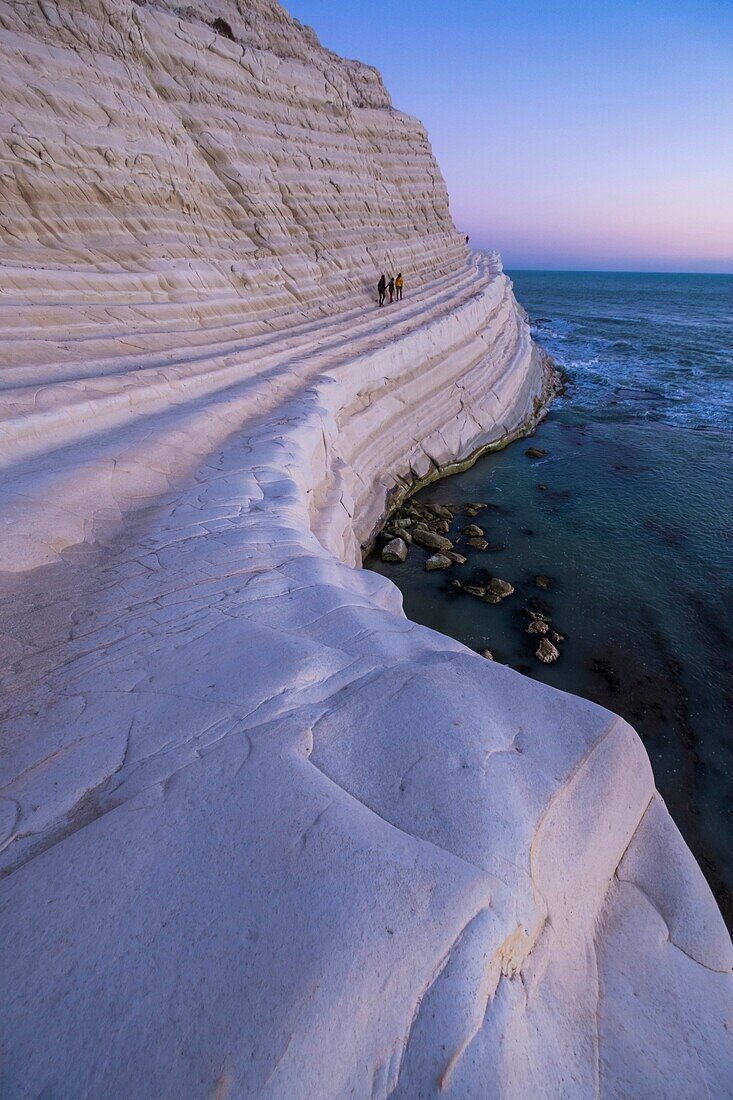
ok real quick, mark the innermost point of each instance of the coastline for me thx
(556, 381)
(245, 800)
(627, 515)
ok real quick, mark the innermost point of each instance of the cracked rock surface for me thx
(260, 835)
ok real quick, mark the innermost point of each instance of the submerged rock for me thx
(535, 452)
(605, 669)
(456, 558)
(542, 581)
(396, 550)
(438, 561)
(547, 652)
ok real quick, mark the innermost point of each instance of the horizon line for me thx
(610, 270)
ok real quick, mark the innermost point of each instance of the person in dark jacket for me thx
(381, 289)
(390, 288)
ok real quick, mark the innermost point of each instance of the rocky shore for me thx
(552, 383)
(261, 835)
(441, 531)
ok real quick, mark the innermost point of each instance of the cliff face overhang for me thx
(263, 835)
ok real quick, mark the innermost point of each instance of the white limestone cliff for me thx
(261, 835)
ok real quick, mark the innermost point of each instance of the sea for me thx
(627, 521)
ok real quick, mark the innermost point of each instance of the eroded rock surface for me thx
(261, 835)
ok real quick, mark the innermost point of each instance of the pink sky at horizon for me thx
(586, 136)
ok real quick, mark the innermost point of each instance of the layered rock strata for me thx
(261, 835)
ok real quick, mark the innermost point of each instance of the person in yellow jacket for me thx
(398, 285)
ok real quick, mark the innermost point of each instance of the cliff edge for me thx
(260, 835)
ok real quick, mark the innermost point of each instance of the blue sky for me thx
(583, 135)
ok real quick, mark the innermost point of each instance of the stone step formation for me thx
(260, 835)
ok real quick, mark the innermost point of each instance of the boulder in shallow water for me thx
(440, 510)
(432, 540)
(438, 561)
(487, 654)
(473, 531)
(456, 558)
(396, 550)
(391, 533)
(537, 626)
(547, 652)
(535, 452)
(478, 544)
(500, 588)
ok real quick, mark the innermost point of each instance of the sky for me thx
(587, 135)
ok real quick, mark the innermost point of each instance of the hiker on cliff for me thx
(398, 285)
(381, 289)
(390, 288)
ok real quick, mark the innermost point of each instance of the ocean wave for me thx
(638, 348)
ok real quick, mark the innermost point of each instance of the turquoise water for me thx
(633, 526)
